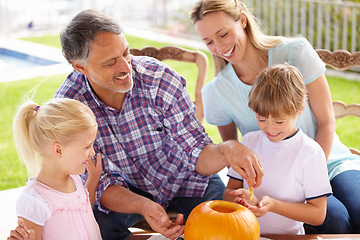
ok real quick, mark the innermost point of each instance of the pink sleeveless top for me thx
(71, 213)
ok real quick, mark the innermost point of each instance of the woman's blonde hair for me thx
(58, 120)
(234, 8)
(278, 90)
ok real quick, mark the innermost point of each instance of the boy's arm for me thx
(312, 212)
(94, 173)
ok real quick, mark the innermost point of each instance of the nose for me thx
(125, 64)
(219, 47)
(92, 152)
(271, 126)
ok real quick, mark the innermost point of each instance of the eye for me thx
(208, 43)
(261, 119)
(126, 53)
(111, 63)
(224, 35)
(279, 122)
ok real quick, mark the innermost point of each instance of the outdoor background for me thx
(327, 24)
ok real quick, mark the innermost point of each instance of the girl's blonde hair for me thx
(58, 120)
(234, 8)
(278, 90)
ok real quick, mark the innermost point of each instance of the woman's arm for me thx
(321, 104)
(228, 132)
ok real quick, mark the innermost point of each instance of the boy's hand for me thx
(243, 197)
(262, 207)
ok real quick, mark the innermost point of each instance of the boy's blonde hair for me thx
(278, 90)
(234, 8)
(58, 120)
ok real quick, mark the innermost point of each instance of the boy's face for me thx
(277, 129)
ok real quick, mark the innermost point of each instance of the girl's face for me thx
(76, 154)
(223, 35)
(277, 129)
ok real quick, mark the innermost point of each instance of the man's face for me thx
(109, 64)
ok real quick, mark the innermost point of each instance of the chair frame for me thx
(182, 55)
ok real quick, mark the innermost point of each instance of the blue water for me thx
(16, 61)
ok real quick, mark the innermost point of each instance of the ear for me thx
(243, 20)
(301, 110)
(56, 149)
(79, 67)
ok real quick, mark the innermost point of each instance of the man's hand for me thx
(159, 221)
(243, 161)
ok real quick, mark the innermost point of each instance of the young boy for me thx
(295, 184)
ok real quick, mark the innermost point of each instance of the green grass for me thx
(14, 174)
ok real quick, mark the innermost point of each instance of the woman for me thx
(240, 52)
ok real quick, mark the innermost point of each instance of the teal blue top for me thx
(226, 99)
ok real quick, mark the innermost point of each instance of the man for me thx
(155, 152)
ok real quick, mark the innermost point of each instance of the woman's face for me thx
(223, 35)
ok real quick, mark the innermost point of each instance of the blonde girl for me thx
(55, 141)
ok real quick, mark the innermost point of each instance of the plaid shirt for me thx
(154, 141)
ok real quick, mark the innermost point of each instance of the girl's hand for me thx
(242, 196)
(95, 169)
(21, 232)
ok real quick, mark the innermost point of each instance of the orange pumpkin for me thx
(221, 220)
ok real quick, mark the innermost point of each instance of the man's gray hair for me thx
(77, 37)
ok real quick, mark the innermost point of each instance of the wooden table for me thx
(281, 237)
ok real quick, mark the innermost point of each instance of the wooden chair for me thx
(182, 55)
(342, 60)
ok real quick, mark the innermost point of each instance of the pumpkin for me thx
(221, 220)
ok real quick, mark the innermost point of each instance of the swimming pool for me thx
(12, 60)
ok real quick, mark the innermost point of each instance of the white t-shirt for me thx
(295, 171)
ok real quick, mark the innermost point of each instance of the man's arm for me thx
(215, 157)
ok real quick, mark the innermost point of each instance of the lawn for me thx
(14, 174)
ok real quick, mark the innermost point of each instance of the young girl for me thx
(295, 184)
(57, 139)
